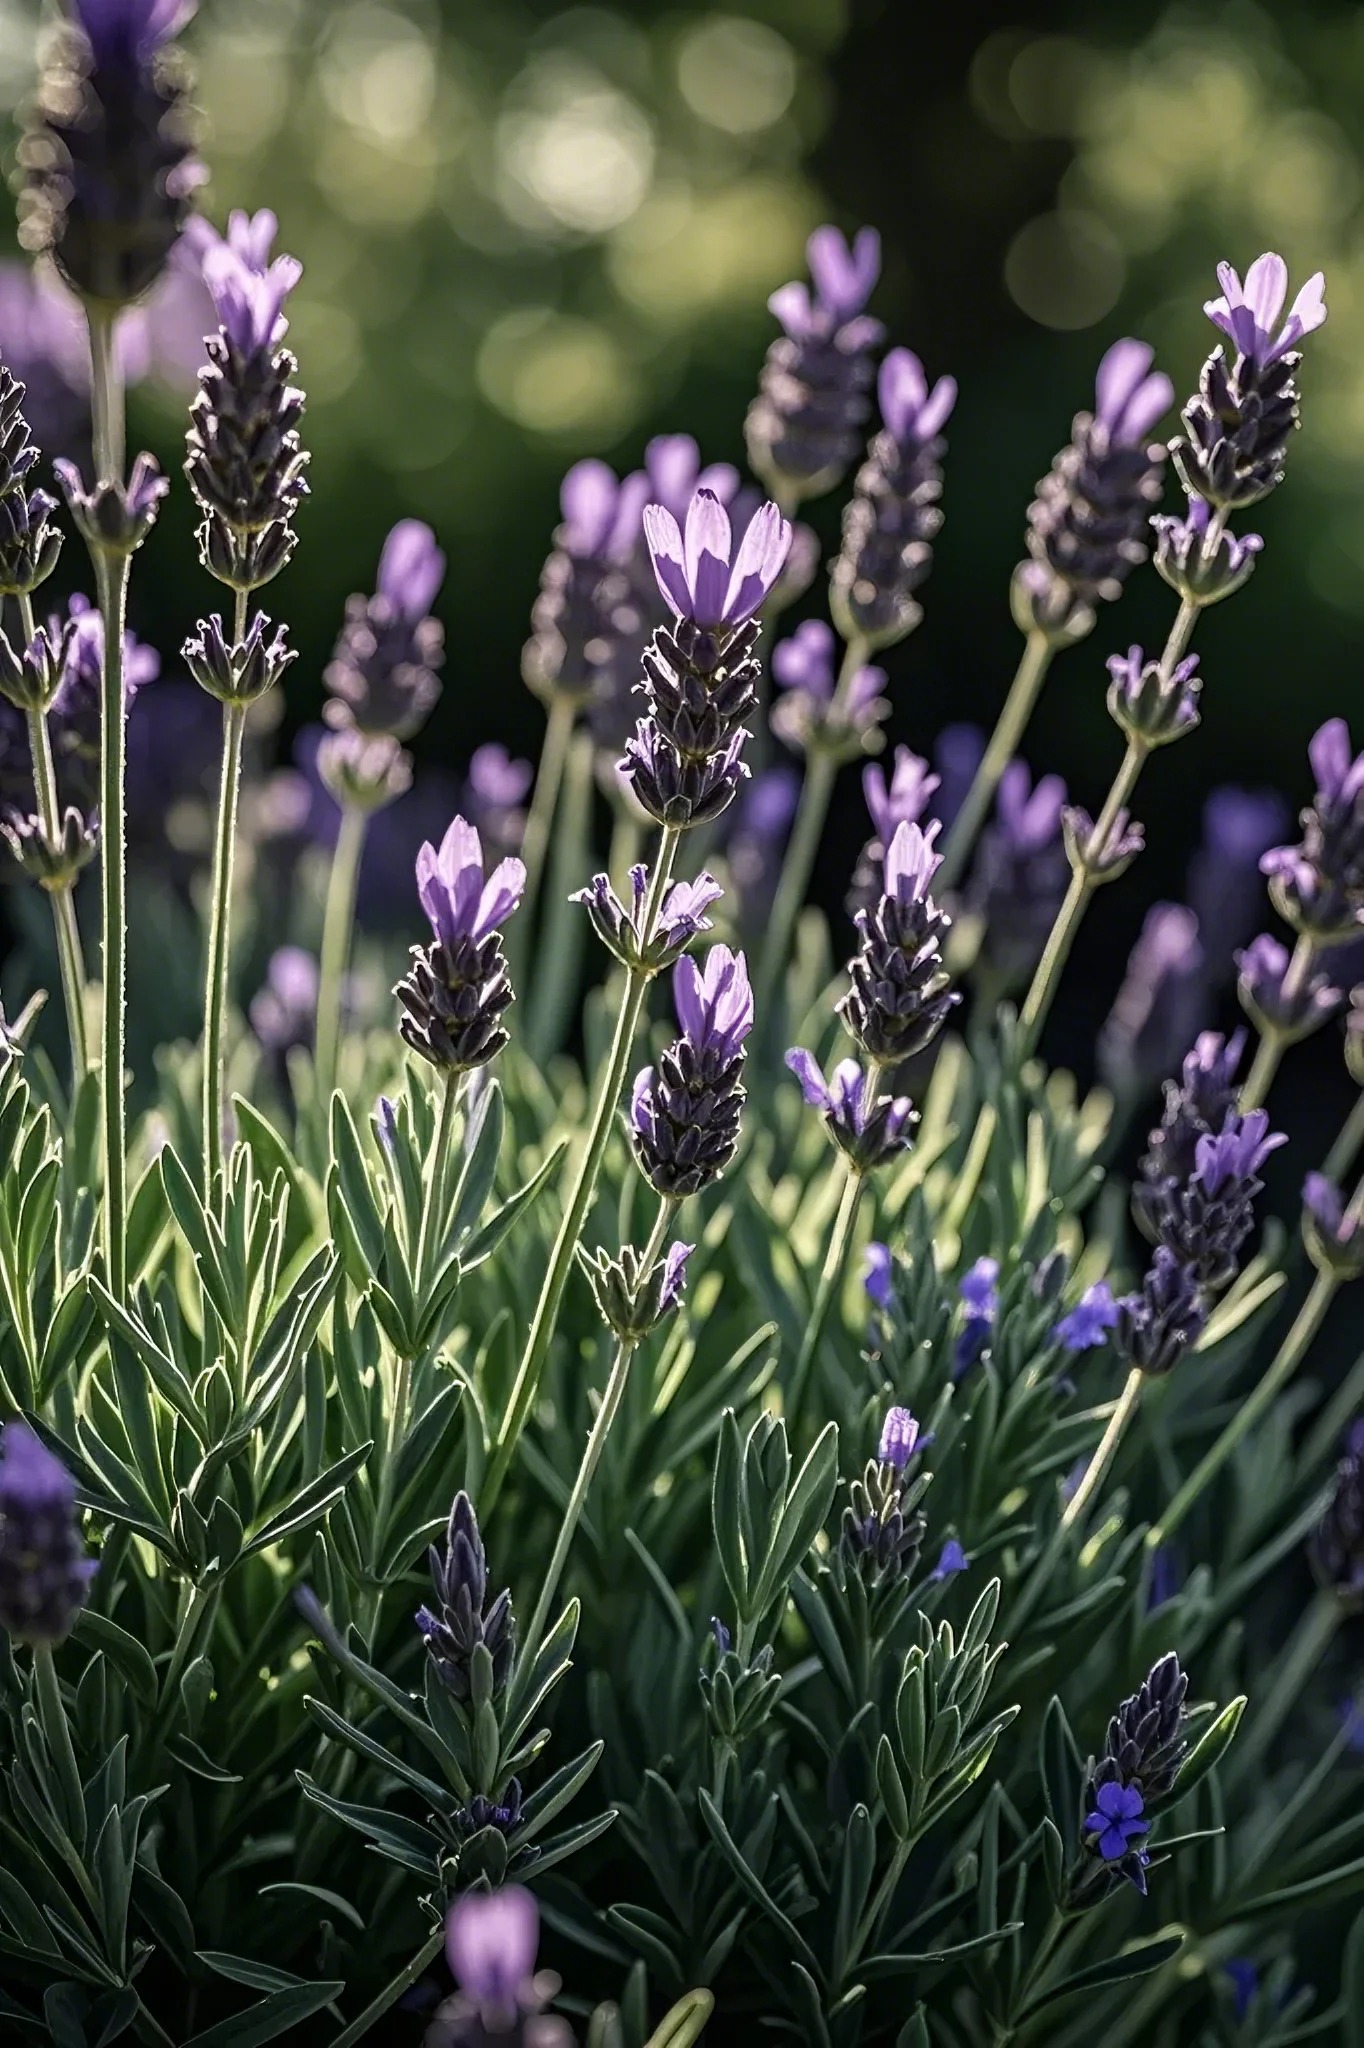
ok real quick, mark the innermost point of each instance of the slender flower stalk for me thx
(219, 941)
(830, 1281)
(544, 803)
(111, 574)
(338, 919)
(1024, 691)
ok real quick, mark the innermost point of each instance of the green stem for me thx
(1294, 1666)
(596, 1444)
(220, 934)
(337, 923)
(580, 1195)
(1273, 1042)
(433, 1204)
(63, 903)
(973, 1166)
(540, 820)
(1276, 1376)
(1083, 883)
(1123, 1410)
(57, 1731)
(391, 1992)
(1004, 740)
(1345, 1151)
(835, 1259)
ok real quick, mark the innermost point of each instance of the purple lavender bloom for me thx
(1200, 569)
(1318, 886)
(879, 1279)
(980, 1301)
(44, 1573)
(115, 28)
(899, 999)
(1086, 527)
(1239, 421)
(1160, 1002)
(601, 513)
(490, 1944)
(1020, 874)
(1205, 1218)
(899, 1439)
(383, 674)
(284, 1011)
(1291, 1005)
(681, 918)
(870, 1128)
(685, 1113)
(802, 428)
(901, 801)
(386, 1125)
(893, 517)
(676, 791)
(1237, 1151)
(951, 1560)
(804, 716)
(456, 989)
(1123, 841)
(1117, 1821)
(463, 904)
(111, 516)
(1330, 1229)
(1156, 1326)
(590, 619)
(674, 1277)
(1239, 825)
(494, 794)
(701, 576)
(248, 289)
(1245, 1982)
(674, 473)
(1091, 1320)
(1147, 703)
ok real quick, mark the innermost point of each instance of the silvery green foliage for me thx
(409, 1530)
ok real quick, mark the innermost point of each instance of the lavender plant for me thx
(792, 1556)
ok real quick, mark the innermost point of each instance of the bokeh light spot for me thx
(554, 373)
(737, 75)
(1065, 270)
(572, 152)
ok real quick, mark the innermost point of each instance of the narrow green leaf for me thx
(269, 2019)
(680, 2027)
(1211, 1747)
(1133, 1962)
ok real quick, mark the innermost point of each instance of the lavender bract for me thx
(682, 916)
(899, 999)
(462, 1620)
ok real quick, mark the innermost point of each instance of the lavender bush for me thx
(771, 1514)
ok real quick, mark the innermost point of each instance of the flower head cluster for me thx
(1238, 423)
(1205, 1219)
(882, 1530)
(869, 1128)
(1087, 524)
(899, 999)
(108, 163)
(1318, 885)
(978, 1289)
(456, 989)
(1020, 874)
(1142, 1753)
(1338, 1542)
(1331, 1230)
(682, 916)
(587, 615)
(1282, 995)
(246, 462)
(44, 1572)
(893, 517)
(811, 713)
(900, 799)
(1149, 704)
(803, 427)
(461, 1620)
(1203, 563)
(381, 680)
(684, 759)
(684, 1113)
(1159, 1004)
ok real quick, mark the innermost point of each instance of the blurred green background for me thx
(532, 232)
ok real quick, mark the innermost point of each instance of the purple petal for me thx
(791, 306)
(689, 996)
(674, 1274)
(706, 553)
(806, 1070)
(490, 1944)
(411, 569)
(901, 389)
(1266, 289)
(762, 552)
(665, 551)
(641, 1101)
(499, 898)
(587, 500)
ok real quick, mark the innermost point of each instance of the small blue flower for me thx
(879, 1276)
(1116, 1819)
(1088, 1324)
(980, 1299)
(953, 1559)
(1245, 1981)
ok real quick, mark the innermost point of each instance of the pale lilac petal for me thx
(791, 307)
(1121, 370)
(411, 569)
(806, 1070)
(938, 408)
(720, 477)
(499, 897)
(1329, 753)
(689, 997)
(435, 899)
(665, 551)
(1308, 312)
(901, 389)
(641, 1101)
(672, 461)
(706, 555)
(847, 1092)
(674, 1274)
(1266, 289)
(490, 1944)
(757, 566)
(587, 499)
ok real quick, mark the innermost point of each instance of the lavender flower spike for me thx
(1149, 705)
(456, 989)
(382, 677)
(1318, 885)
(1159, 1005)
(1291, 1006)
(681, 918)
(1331, 1231)
(804, 716)
(44, 1575)
(803, 426)
(698, 572)
(460, 902)
(891, 522)
(685, 1113)
(490, 1944)
(869, 1128)
(899, 999)
(248, 289)
(1248, 314)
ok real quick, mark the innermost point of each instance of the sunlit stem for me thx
(337, 927)
(830, 1279)
(220, 927)
(69, 958)
(1004, 743)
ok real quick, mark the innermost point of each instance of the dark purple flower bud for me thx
(495, 791)
(1087, 525)
(1239, 421)
(1224, 877)
(31, 679)
(53, 863)
(805, 716)
(363, 772)
(869, 1128)
(456, 989)
(803, 427)
(1123, 841)
(1201, 570)
(1331, 1230)
(879, 1278)
(29, 544)
(1020, 874)
(246, 462)
(899, 1438)
(44, 1574)
(1318, 886)
(462, 1621)
(107, 160)
(681, 917)
(1337, 1548)
(1156, 1326)
(1206, 1220)
(490, 1944)
(1091, 1320)
(1159, 1005)
(1276, 999)
(383, 673)
(951, 1560)
(891, 522)
(237, 672)
(979, 1294)
(899, 999)
(1199, 1101)
(702, 578)
(1147, 703)
(385, 1123)
(284, 1012)
(685, 1112)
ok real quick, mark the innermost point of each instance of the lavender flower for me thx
(1201, 569)
(495, 791)
(804, 716)
(802, 428)
(457, 988)
(31, 678)
(363, 772)
(246, 462)
(588, 618)
(1160, 1002)
(979, 1292)
(1086, 526)
(869, 1128)
(1318, 885)
(1156, 1326)
(1289, 1004)
(53, 861)
(1206, 1219)
(284, 1011)
(881, 1532)
(899, 999)
(892, 519)
(951, 1560)
(879, 1279)
(681, 918)
(1337, 1548)
(1091, 1320)
(1199, 1101)
(635, 1299)
(1150, 705)
(490, 1944)
(1239, 421)
(240, 672)
(685, 1113)
(901, 801)
(461, 1620)
(383, 673)
(29, 543)
(1123, 841)
(1116, 1822)
(1020, 874)
(107, 161)
(699, 674)
(1143, 1751)
(74, 721)
(1331, 1231)
(44, 1573)
(899, 1438)
(1239, 825)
